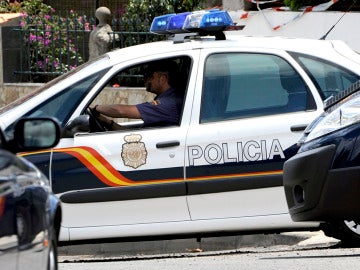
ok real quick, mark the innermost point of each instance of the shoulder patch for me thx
(155, 102)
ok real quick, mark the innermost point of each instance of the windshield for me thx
(61, 105)
(96, 63)
(329, 78)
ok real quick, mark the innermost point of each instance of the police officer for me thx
(164, 110)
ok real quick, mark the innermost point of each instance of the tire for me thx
(348, 231)
(52, 260)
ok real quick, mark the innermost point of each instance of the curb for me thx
(211, 244)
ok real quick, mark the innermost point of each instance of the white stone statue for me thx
(100, 39)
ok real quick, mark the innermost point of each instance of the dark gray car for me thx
(30, 214)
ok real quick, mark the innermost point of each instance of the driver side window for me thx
(127, 87)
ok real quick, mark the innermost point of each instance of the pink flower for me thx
(32, 38)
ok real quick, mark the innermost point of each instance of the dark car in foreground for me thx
(30, 214)
(322, 182)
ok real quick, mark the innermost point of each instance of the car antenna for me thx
(328, 32)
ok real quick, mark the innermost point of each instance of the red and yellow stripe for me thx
(105, 172)
(2, 205)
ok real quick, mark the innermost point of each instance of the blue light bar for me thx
(176, 23)
(204, 22)
(212, 20)
(160, 24)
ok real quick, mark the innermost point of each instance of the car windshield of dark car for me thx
(329, 78)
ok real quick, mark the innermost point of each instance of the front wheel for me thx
(348, 231)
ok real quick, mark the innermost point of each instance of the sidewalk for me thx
(212, 244)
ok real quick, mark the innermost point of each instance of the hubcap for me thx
(353, 225)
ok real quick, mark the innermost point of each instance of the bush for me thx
(48, 39)
(51, 42)
(140, 13)
(296, 4)
(28, 6)
(146, 10)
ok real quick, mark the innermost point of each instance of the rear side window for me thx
(240, 85)
(329, 78)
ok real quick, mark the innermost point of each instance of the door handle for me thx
(301, 127)
(167, 144)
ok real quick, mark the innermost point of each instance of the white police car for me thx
(246, 102)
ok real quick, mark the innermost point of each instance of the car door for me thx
(23, 215)
(112, 184)
(8, 234)
(32, 219)
(253, 107)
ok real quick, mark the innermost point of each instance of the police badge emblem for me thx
(133, 152)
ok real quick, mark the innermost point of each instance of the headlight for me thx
(346, 113)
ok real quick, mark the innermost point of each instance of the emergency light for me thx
(160, 24)
(176, 23)
(209, 21)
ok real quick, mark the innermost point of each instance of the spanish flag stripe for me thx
(103, 170)
(241, 175)
(92, 167)
(2, 205)
(98, 165)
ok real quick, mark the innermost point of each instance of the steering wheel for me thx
(95, 124)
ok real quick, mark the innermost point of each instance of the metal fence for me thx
(53, 45)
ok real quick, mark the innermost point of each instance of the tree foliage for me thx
(140, 13)
(48, 40)
(51, 41)
(153, 8)
(296, 4)
(29, 6)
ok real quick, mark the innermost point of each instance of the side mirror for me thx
(36, 133)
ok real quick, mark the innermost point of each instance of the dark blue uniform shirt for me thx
(163, 111)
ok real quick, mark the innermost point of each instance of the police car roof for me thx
(310, 46)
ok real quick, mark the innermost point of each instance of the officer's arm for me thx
(119, 111)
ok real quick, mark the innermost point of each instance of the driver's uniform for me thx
(164, 110)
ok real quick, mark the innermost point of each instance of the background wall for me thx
(312, 25)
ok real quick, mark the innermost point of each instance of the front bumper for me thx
(316, 192)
